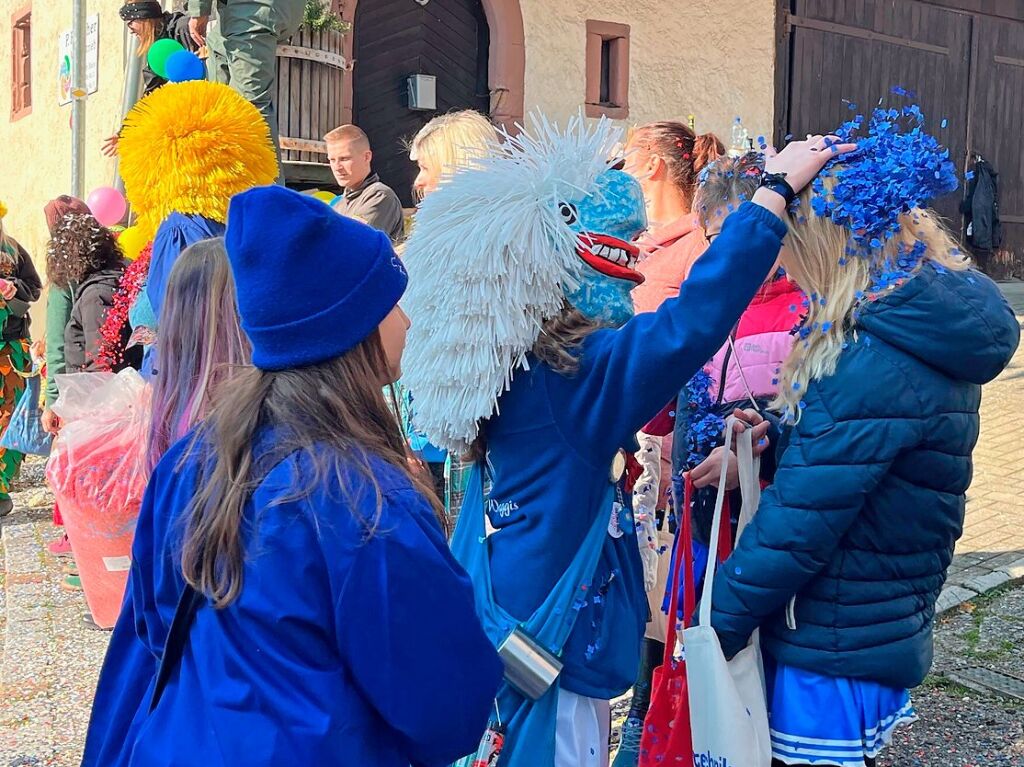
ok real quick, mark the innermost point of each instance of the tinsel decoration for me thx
(705, 426)
(111, 353)
(188, 148)
(488, 259)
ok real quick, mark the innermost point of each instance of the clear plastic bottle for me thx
(740, 139)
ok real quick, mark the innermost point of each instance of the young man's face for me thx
(350, 162)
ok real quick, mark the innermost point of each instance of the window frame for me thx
(613, 38)
(21, 63)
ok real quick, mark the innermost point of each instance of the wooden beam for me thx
(864, 34)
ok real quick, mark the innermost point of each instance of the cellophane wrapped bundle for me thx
(98, 473)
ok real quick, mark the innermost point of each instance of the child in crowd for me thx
(19, 288)
(58, 312)
(203, 345)
(549, 379)
(285, 555)
(845, 558)
(667, 159)
(742, 374)
(84, 254)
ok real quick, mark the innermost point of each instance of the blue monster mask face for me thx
(607, 220)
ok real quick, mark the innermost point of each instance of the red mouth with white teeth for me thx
(610, 256)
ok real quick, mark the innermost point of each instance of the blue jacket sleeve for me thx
(167, 245)
(408, 629)
(627, 375)
(825, 474)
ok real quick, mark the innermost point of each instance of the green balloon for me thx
(158, 54)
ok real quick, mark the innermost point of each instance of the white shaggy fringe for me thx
(488, 257)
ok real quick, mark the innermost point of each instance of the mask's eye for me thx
(569, 213)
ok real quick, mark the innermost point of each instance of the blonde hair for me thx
(347, 133)
(836, 283)
(147, 30)
(453, 141)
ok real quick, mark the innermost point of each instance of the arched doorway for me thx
(393, 39)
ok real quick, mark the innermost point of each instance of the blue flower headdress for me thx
(896, 168)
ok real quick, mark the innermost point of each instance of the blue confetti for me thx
(944, 123)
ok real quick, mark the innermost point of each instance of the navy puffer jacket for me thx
(868, 499)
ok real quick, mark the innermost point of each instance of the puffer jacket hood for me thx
(857, 530)
(972, 343)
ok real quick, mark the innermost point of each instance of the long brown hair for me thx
(684, 153)
(148, 31)
(561, 337)
(333, 412)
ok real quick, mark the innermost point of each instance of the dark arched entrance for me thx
(393, 39)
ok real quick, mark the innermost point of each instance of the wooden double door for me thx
(393, 39)
(964, 64)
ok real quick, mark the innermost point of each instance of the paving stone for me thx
(986, 582)
(953, 596)
(1015, 569)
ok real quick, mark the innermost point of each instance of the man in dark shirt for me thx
(364, 197)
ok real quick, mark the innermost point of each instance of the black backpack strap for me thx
(177, 638)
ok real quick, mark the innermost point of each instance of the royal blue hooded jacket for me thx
(868, 498)
(344, 647)
(550, 450)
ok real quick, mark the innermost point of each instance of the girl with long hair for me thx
(845, 558)
(546, 375)
(58, 312)
(667, 159)
(202, 347)
(84, 256)
(19, 288)
(289, 570)
(149, 22)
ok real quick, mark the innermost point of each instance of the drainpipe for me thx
(132, 87)
(78, 90)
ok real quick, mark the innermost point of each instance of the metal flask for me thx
(529, 668)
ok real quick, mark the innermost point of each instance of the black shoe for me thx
(6, 506)
(89, 623)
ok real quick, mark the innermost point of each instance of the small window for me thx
(607, 70)
(21, 64)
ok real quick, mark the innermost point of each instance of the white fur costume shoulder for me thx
(488, 258)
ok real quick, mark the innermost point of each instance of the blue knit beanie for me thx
(311, 283)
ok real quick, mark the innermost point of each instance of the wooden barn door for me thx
(853, 52)
(994, 131)
(396, 38)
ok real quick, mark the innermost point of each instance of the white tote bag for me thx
(728, 711)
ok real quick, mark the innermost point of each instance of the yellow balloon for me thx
(323, 196)
(132, 241)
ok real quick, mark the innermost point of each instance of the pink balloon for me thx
(107, 205)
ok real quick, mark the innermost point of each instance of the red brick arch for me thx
(506, 67)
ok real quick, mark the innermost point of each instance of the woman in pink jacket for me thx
(667, 158)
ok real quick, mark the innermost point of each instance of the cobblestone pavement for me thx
(49, 661)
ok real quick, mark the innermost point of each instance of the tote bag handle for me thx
(750, 494)
(684, 557)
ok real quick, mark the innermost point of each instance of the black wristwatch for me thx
(777, 183)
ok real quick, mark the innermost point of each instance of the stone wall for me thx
(710, 58)
(36, 149)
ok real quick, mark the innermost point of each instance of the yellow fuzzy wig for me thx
(188, 147)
